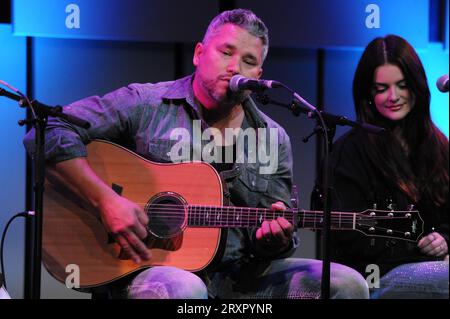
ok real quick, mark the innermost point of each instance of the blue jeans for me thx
(285, 278)
(423, 280)
(3, 293)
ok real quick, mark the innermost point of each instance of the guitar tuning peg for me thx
(391, 206)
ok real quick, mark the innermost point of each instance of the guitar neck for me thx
(246, 217)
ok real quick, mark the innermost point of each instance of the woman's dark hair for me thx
(423, 172)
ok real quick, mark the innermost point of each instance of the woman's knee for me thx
(415, 280)
(166, 282)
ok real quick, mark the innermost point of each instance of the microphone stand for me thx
(326, 124)
(33, 257)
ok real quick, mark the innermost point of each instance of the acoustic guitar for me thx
(186, 218)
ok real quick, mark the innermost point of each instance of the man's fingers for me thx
(282, 236)
(266, 232)
(276, 231)
(138, 246)
(140, 230)
(142, 218)
(286, 226)
(133, 246)
(278, 206)
(126, 247)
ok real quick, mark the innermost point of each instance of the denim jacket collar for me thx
(182, 89)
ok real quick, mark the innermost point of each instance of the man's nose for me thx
(233, 66)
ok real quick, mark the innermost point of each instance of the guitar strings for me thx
(228, 224)
(252, 215)
(193, 208)
(304, 215)
(232, 214)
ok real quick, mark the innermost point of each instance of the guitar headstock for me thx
(403, 225)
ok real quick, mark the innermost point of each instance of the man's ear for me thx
(197, 53)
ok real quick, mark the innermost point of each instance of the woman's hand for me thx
(433, 245)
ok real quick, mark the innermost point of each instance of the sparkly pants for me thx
(424, 280)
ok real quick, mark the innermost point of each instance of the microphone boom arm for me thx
(45, 110)
(297, 108)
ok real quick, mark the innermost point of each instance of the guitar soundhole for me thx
(167, 215)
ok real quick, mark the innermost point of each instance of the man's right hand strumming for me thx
(125, 220)
(127, 223)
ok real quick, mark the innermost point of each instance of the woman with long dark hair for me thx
(408, 165)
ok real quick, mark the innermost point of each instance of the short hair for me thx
(245, 19)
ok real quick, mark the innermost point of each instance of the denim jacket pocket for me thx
(163, 151)
(253, 181)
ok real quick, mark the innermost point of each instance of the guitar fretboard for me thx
(245, 217)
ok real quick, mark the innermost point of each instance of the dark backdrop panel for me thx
(328, 23)
(320, 23)
(340, 66)
(142, 20)
(67, 70)
(298, 70)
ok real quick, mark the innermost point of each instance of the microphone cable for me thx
(5, 230)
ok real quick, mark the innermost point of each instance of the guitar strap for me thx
(226, 177)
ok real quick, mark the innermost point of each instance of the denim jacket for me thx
(141, 118)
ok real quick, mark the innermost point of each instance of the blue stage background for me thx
(81, 48)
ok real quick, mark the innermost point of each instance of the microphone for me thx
(55, 111)
(442, 83)
(240, 83)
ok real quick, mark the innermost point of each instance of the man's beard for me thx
(234, 98)
(229, 99)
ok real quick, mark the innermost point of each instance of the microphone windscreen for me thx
(234, 82)
(442, 83)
